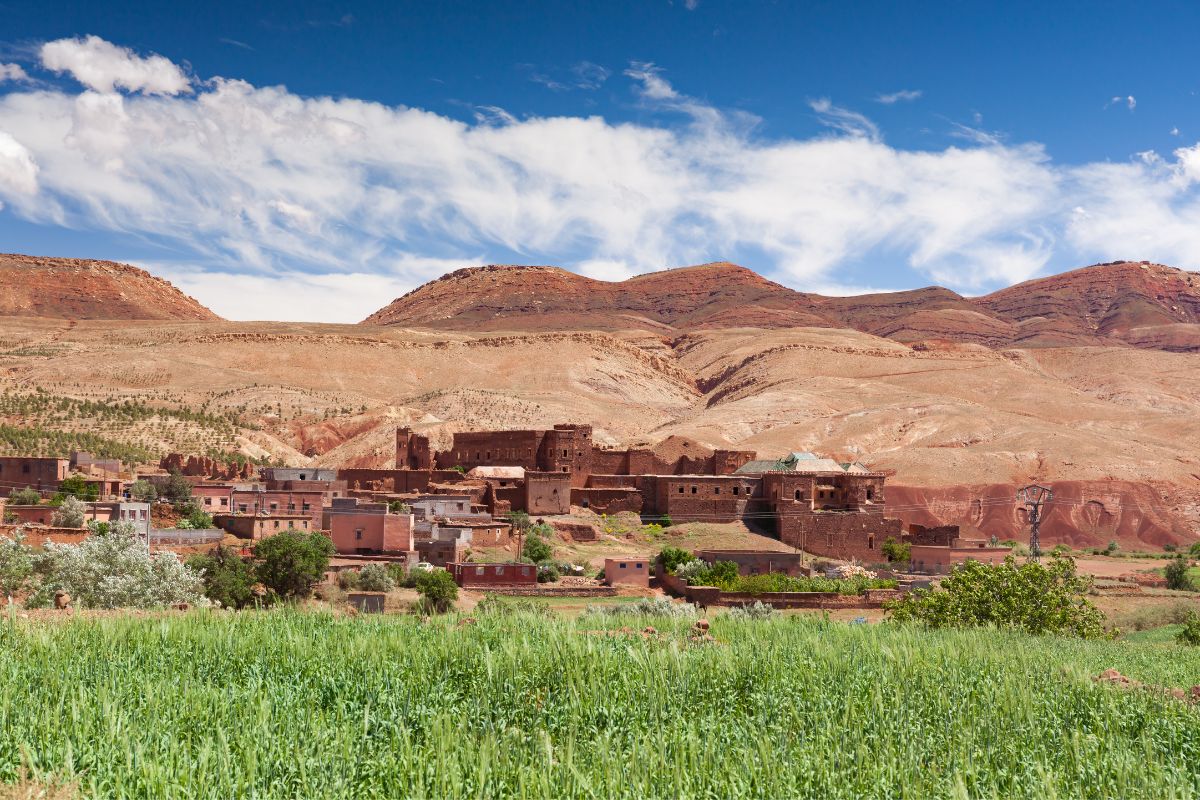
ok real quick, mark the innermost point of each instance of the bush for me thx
(143, 491)
(1112, 548)
(1190, 634)
(399, 507)
(199, 520)
(1170, 547)
(723, 574)
(115, 571)
(228, 578)
(375, 578)
(347, 580)
(536, 548)
(894, 550)
(1038, 598)
(548, 572)
(1177, 576)
(24, 497)
(438, 591)
(670, 558)
(16, 564)
(402, 576)
(645, 607)
(665, 521)
(1194, 550)
(70, 514)
(755, 610)
(75, 486)
(292, 562)
(519, 520)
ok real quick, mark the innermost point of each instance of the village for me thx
(471, 510)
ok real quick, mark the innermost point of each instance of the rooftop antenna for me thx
(1034, 497)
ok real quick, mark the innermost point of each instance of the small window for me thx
(479, 570)
(565, 469)
(564, 453)
(638, 566)
(276, 524)
(305, 506)
(736, 489)
(25, 469)
(291, 506)
(274, 507)
(224, 501)
(799, 495)
(870, 542)
(208, 501)
(499, 570)
(681, 490)
(302, 476)
(716, 490)
(693, 490)
(358, 533)
(623, 566)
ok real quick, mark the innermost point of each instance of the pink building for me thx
(627, 571)
(368, 528)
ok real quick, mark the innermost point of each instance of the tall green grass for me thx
(301, 705)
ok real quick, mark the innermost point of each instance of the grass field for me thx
(290, 704)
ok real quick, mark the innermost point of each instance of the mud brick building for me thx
(490, 575)
(43, 474)
(369, 529)
(257, 526)
(274, 502)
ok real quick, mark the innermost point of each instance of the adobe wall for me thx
(396, 480)
(939, 536)
(440, 553)
(39, 537)
(703, 498)
(605, 481)
(837, 535)
(547, 493)
(44, 474)
(492, 448)
(933, 560)
(412, 450)
(608, 501)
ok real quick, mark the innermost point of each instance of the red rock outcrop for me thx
(73, 288)
(205, 467)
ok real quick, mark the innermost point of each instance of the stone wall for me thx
(832, 534)
(608, 501)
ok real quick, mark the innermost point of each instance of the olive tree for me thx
(16, 564)
(70, 514)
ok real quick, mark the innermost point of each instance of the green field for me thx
(292, 704)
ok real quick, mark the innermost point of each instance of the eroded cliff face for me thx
(72, 288)
(1081, 514)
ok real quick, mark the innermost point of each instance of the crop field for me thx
(293, 704)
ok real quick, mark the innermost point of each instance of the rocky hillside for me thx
(1121, 303)
(72, 288)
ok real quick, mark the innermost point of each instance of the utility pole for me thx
(1034, 497)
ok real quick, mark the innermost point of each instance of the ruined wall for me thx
(399, 481)
(838, 535)
(757, 562)
(412, 450)
(492, 448)
(939, 536)
(608, 501)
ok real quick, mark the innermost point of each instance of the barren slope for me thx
(71, 288)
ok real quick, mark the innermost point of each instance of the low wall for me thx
(38, 537)
(548, 591)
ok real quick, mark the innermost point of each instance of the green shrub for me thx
(896, 551)
(347, 580)
(536, 549)
(438, 591)
(24, 497)
(16, 564)
(291, 563)
(75, 486)
(402, 576)
(177, 489)
(494, 605)
(70, 514)
(669, 558)
(375, 578)
(755, 610)
(1190, 633)
(228, 578)
(548, 572)
(1049, 598)
(1176, 573)
(519, 520)
(645, 607)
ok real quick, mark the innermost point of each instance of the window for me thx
(25, 469)
(870, 542)
(276, 524)
(242, 507)
(305, 506)
(479, 570)
(489, 452)
(681, 490)
(208, 501)
(224, 501)
(358, 533)
(499, 570)
(870, 493)
(291, 506)
(302, 476)
(736, 489)
(693, 490)
(623, 566)
(274, 507)
(639, 566)
(799, 495)
(716, 490)
(565, 469)
(564, 453)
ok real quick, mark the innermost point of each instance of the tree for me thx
(24, 497)
(16, 564)
(399, 507)
(375, 578)
(536, 548)
(70, 514)
(228, 578)
(437, 589)
(894, 550)
(177, 489)
(1177, 575)
(291, 562)
(1050, 598)
(115, 571)
(143, 491)
(77, 486)
(198, 519)
(519, 520)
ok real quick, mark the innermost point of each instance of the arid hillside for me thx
(926, 384)
(1122, 303)
(72, 288)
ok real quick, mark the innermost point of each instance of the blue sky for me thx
(315, 160)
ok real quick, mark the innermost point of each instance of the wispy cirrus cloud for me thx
(902, 96)
(281, 200)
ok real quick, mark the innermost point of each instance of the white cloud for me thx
(691, 5)
(1129, 101)
(904, 95)
(104, 67)
(327, 208)
(848, 122)
(12, 72)
(18, 171)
